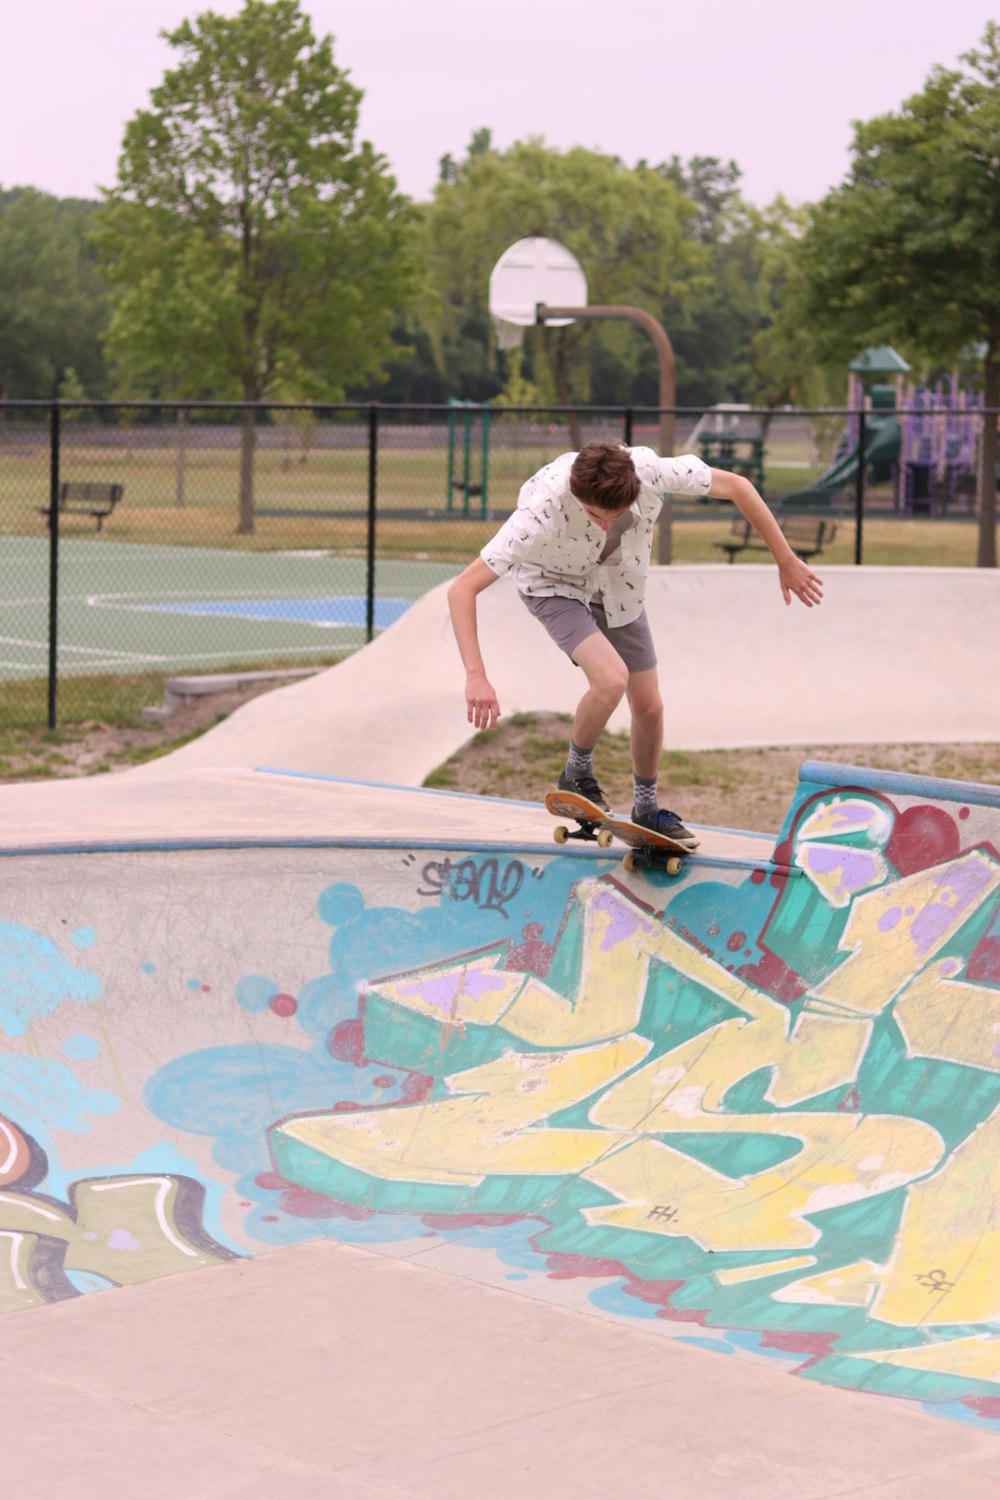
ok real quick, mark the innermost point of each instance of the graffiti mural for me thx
(759, 1104)
(115, 1231)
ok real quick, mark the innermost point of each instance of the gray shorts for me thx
(569, 621)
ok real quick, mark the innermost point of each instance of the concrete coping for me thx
(179, 691)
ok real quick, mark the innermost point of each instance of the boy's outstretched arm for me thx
(481, 700)
(795, 576)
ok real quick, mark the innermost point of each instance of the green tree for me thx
(628, 227)
(249, 233)
(783, 362)
(713, 330)
(729, 346)
(907, 250)
(52, 305)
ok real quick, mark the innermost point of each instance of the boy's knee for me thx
(612, 681)
(622, 676)
(644, 693)
(648, 707)
(651, 703)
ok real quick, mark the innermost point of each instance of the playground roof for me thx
(882, 360)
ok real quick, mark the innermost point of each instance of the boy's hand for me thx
(481, 701)
(796, 577)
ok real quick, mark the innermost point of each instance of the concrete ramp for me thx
(754, 1108)
(889, 658)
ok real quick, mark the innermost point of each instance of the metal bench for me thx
(86, 498)
(806, 535)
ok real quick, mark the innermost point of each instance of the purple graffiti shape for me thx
(623, 923)
(443, 992)
(960, 887)
(858, 868)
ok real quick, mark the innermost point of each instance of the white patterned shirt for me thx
(552, 547)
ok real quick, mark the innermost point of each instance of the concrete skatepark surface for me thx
(359, 1143)
(893, 654)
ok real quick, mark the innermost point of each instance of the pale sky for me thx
(775, 84)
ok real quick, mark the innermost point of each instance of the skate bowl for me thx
(754, 1109)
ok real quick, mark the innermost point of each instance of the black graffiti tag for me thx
(935, 1280)
(468, 880)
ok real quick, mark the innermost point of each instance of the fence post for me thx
(372, 500)
(859, 489)
(627, 437)
(451, 452)
(179, 481)
(466, 456)
(484, 472)
(51, 716)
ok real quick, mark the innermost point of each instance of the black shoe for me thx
(584, 786)
(669, 824)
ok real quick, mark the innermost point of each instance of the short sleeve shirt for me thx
(551, 547)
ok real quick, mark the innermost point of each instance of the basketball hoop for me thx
(508, 335)
(530, 272)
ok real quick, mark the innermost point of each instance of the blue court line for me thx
(344, 609)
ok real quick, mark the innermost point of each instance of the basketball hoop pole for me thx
(664, 351)
(668, 386)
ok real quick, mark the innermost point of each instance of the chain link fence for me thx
(145, 541)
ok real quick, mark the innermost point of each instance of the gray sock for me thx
(644, 798)
(579, 762)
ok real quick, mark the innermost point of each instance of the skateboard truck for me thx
(589, 832)
(652, 859)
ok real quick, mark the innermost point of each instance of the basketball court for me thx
(130, 608)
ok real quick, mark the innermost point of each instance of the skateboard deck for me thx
(645, 846)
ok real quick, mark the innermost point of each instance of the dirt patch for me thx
(748, 789)
(522, 758)
(90, 748)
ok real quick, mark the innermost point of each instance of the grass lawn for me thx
(321, 503)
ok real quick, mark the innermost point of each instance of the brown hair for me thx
(603, 474)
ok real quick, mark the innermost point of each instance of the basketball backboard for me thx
(532, 271)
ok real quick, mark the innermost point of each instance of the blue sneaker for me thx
(668, 824)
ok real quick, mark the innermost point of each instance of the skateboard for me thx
(646, 847)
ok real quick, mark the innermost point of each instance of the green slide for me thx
(881, 446)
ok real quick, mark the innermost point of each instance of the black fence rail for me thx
(143, 540)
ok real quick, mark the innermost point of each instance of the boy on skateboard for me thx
(578, 546)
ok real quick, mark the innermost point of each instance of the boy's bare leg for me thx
(608, 679)
(647, 747)
(647, 722)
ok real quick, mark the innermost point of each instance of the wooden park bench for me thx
(806, 535)
(86, 498)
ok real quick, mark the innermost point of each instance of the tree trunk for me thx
(248, 443)
(987, 553)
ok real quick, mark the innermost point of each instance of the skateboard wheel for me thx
(674, 865)
(560, 834)
(631, 861)
(605, 838)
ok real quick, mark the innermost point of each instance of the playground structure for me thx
(923, 438)
(464, 485)
(725, 443)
